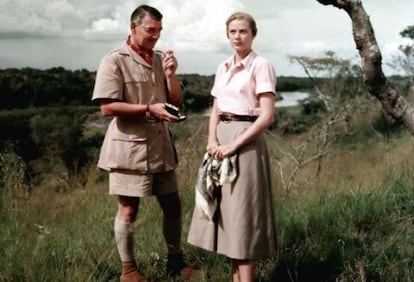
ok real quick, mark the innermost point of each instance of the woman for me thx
(243, 108)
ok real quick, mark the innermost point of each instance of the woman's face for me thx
(240, 36)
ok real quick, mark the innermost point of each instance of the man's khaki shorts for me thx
(142, 185)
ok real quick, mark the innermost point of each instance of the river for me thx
(291, 98)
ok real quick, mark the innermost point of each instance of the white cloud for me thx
(195, 30)
(196, 24)
(115, 26)
(105, 29)
(188, 25)
(27, 18)
(24, 18)
(391, 50)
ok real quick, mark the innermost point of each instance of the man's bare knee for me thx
(128, 208)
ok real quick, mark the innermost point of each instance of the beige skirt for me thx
(245, 228)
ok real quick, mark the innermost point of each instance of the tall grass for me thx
(350, 236)
(352, 223)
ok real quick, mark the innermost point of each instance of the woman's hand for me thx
(212, 148)
(224, 151)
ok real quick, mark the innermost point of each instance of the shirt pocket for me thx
(135, 84)
(128, 152)
(136, 77)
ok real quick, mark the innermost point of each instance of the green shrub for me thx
(298, 121)
(349, 235)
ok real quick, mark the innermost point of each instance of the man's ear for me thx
(132, 25)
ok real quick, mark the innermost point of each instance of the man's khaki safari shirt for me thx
(134, 143)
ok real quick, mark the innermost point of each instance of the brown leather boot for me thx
(177, 266)
(130, 273)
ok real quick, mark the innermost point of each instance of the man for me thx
(133, 83)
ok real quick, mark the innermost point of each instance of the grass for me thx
(353, 222)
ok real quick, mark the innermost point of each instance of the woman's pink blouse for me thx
(237, 86)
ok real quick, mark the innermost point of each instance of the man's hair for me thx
(242, 16)
(139, 13)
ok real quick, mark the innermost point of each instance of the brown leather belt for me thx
(227, 117)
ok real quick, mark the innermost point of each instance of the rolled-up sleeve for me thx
(265, 78)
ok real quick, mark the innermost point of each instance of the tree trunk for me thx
(378, 85)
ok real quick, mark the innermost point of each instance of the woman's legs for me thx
(243, 270)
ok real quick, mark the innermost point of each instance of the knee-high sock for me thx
(124, 240)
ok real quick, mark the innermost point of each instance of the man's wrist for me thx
(170, 77)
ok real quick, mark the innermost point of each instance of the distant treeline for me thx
(28, 87)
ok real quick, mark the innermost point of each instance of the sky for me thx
(76, 34)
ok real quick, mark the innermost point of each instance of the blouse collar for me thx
(245, 63)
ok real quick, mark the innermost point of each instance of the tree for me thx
(378, 85)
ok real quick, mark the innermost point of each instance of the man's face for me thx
(147, 33)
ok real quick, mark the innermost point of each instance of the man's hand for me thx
(169, 63)
(158, 111)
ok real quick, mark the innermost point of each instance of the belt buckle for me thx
(227, 117)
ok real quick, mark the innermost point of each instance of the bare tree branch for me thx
(321, 96)
(378, 85)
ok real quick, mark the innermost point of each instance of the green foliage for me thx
(13, 183)
(196, 92)
(408, 32)
(307, 114)
(405, 62)
(50, 140)
(342, 80)
(60, 134)
(369, 128)
(66, 234)
(15, 129)
(291, 83)
(341, 235)
(27, 87)
(384, 124)
(402, 84)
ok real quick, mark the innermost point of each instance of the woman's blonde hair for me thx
(242, 16)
